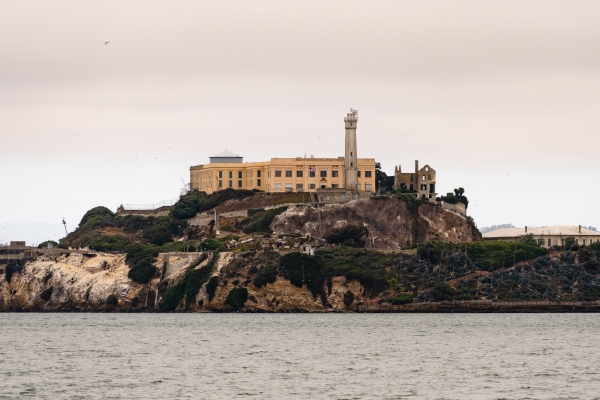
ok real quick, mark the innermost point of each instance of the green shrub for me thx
(158, 235)
(46, 294)
(142, 272)
(96, 212)
(173, 296)
(194, 282)
(237, 297)
(260, 221)
(442, 292)
(349, 235)
(188, 205)
(300, 268)
(211, 287)
(266, 275)
(112, 300)
(402, 298)
(110, 243)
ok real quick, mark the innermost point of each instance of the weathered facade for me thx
(227, 170)
(421, 182)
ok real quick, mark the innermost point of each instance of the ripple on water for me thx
(222, 356)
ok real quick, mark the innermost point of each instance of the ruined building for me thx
(421, 182)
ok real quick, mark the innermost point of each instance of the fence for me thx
(166, 203)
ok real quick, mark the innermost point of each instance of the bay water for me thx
(300, 356)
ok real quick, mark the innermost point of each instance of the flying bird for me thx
(105, 43)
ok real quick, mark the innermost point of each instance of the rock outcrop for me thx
(391, 224)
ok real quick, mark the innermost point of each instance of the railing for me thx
(165, 203)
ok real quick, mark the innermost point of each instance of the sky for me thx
(502, 98)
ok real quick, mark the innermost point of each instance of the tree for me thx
(569, 242)
(457, 197)
(349, 235)
(386, 182)
(528, 240)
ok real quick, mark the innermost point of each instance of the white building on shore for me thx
(547, 236)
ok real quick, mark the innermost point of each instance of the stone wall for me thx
(458, 208)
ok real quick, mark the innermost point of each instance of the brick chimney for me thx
(579, 228)
(526, 229)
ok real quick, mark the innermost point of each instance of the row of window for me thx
(300, 186)
(311, 174)
(239, 174)
(258, 183)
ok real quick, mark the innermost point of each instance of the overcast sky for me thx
(501, 98)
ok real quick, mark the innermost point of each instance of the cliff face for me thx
(390, 222)
(84, 284)
(77, 283)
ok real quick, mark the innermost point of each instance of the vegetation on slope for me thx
(260, 220)
(155, 230)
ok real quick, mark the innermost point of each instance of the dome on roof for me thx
(224, 154)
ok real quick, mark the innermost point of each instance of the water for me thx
(300, 356)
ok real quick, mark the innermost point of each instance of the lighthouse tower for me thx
(350, 159)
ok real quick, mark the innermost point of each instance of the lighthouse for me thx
(350, 159)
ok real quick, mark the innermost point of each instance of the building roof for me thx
(225, 154)
(556, 230)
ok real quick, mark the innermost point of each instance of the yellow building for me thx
(281, 174)
(227, 170)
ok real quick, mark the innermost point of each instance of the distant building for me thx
(547, 236)
(14, 252)
(421, 182)
(227, 170)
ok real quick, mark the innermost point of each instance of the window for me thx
(288, 186)
(239, 174)
(411, 187)
(549, 243)
(311, 174)
(323, 186)
(412, 177)
(239, 184)
(278, 186)
(258, 174)
(258, 182)
(358, 186)
(220, 183)
(334, 174)
(358, 173)
(343, 196)
(368, 186)
(220, 174)
(423, 187)
(323, 174)
(288, 174)
(230, 174)
(299, 174)
(335, 185)
(277, 174)
(299, 186)
(367, 174)
(311, 186)
(230, 184)
(423, 177)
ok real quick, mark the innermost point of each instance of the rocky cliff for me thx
(392, 223)
(100, 283)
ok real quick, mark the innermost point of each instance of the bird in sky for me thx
(105, 43)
